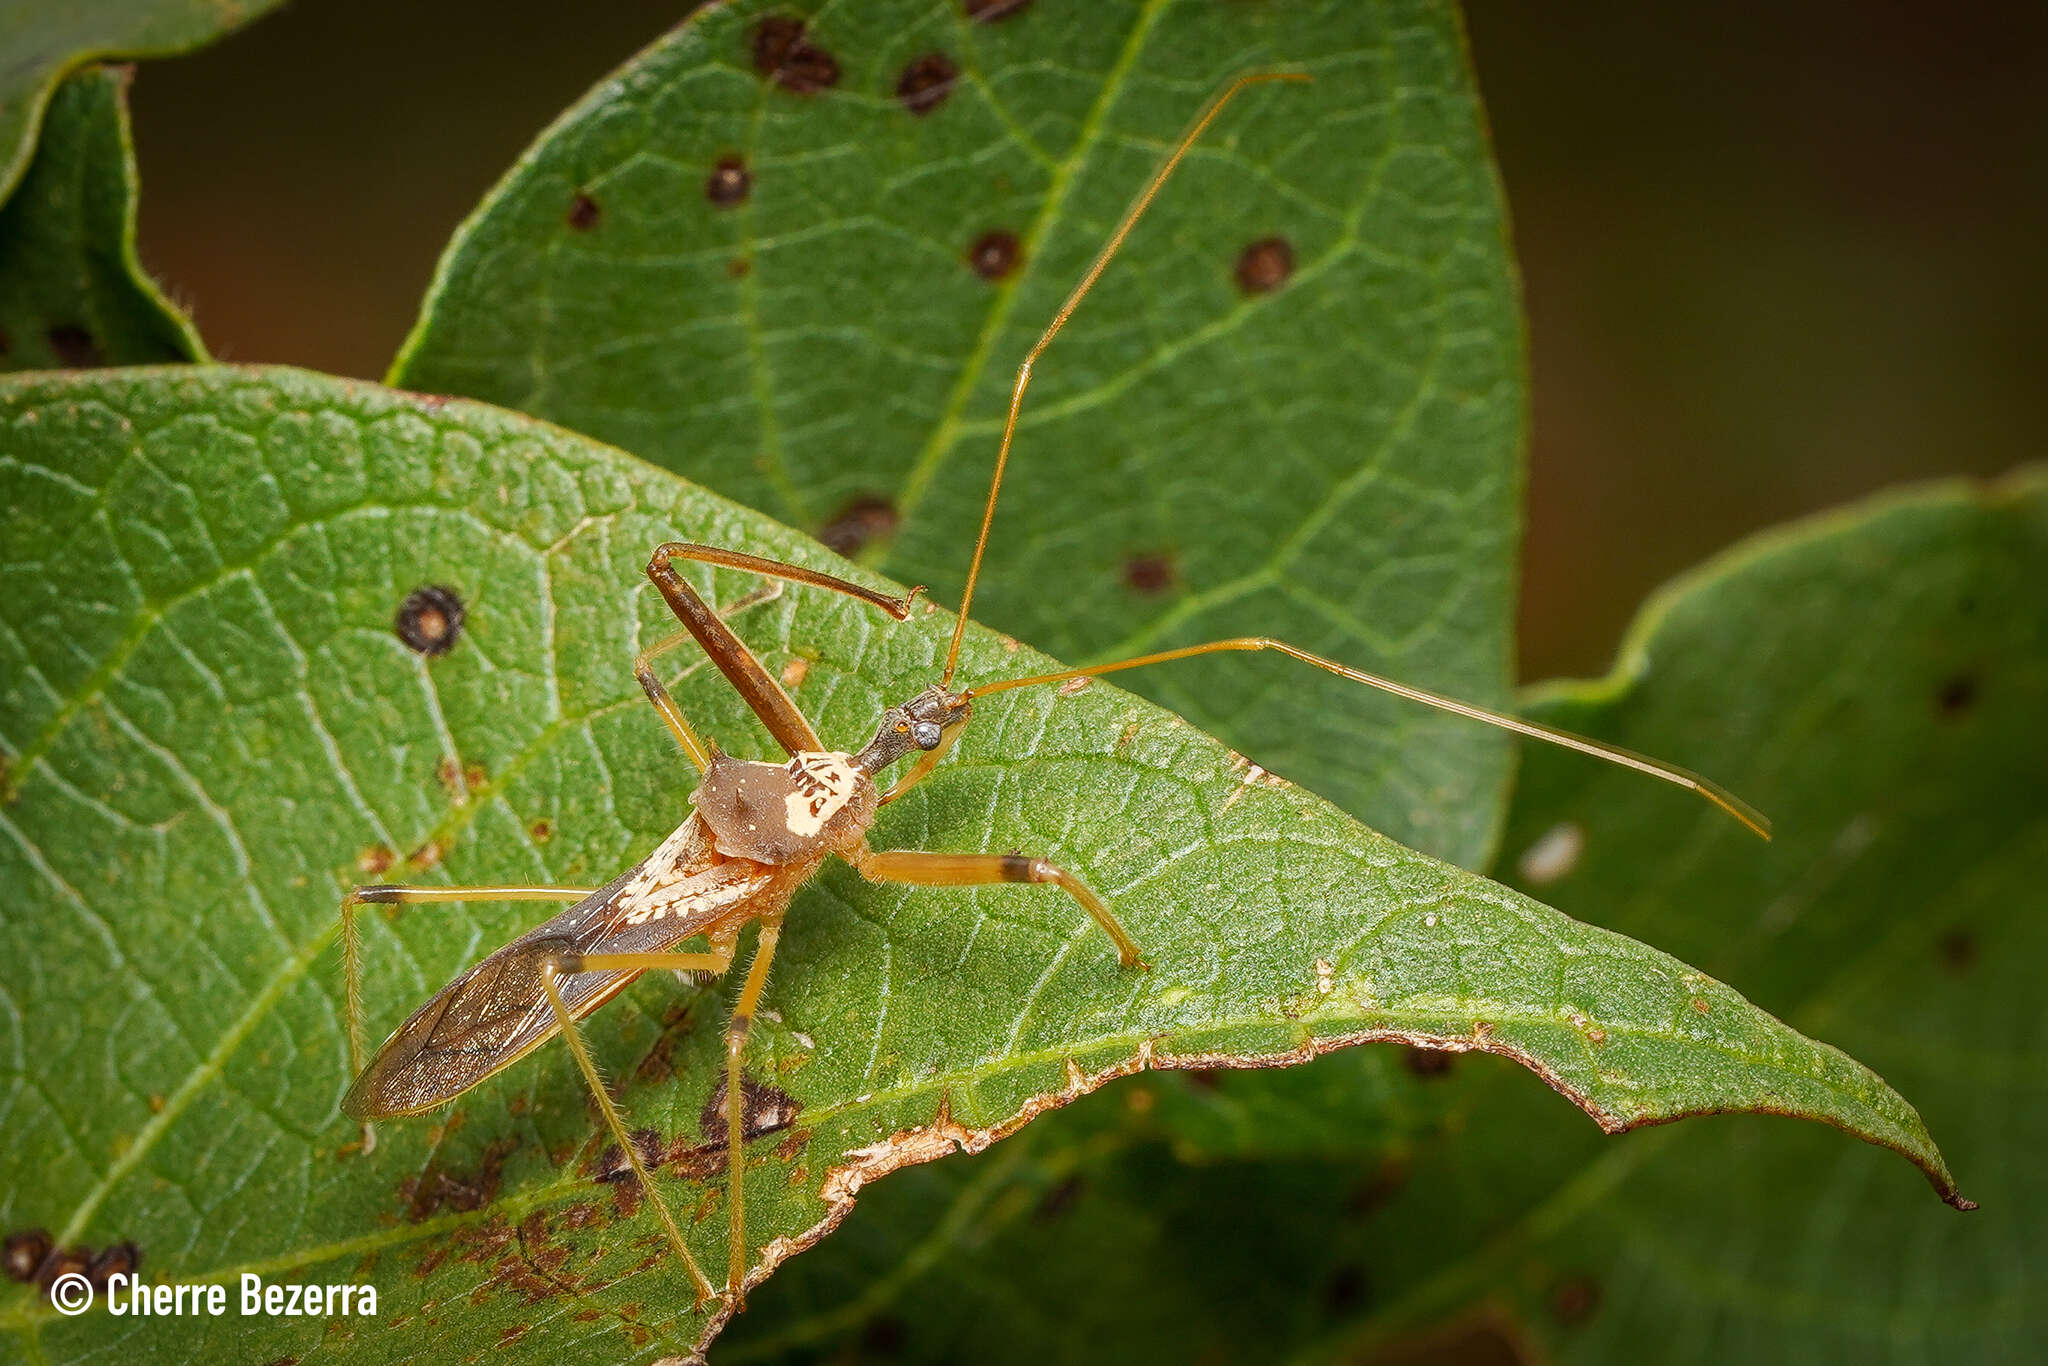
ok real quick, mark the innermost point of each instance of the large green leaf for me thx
(41, 43)
(72, 293)
(1333, 461)
(214, 729)
(1879, 676)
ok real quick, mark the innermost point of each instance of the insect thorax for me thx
(782, 813)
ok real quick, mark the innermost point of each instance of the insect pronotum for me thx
(758, 832)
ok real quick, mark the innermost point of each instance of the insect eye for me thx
(926, 734)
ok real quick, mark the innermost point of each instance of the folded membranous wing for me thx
(498, 1011)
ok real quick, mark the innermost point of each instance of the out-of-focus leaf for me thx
(1878, 677)
(72, 293)
(214, 729)
(1291, 407)
(41, 41)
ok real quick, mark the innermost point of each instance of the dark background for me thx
(1774, 256)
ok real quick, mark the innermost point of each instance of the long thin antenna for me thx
(1102, 258)
(1614, 754)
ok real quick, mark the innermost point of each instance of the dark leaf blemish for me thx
(764, 1109)
(989, 11)
(1428, 1063)
(926, 82)
(1265, 265)
(430, 619)
(995, 254)
(1151, 572)
(783, 55)
(729, 183)
(866, 519)
(584, 213)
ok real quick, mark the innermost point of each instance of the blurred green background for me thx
(1774, 256)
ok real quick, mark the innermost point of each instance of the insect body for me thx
(758, 832)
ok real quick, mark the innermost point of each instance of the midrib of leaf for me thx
(946, 435)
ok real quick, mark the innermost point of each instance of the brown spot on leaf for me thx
(995, 254)
(1150, 572)
(584, 213)
(783, 55)
(1265, 265)
(795, 671)
(437, 1188)
(990, 11)
(1699, 1004)
(69, 1261)
(119, 1259)
(1058, 1200)
(883, 1335)
(926, 82)
(869, 517)
(473, 774)
(1956, 696)
(542, 830)
(428, 855)
(430, 619)
(1575, 1299)
(1345, 1292)
(1428, 1063)
(375, 860)
(1376, 1190)
(24, 1253)
(1958, 950)
(764, 1109)
(729, 183)
(737, 268)
(75, 347)
(1206, 1078)
(156, 1104)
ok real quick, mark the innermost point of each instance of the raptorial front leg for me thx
(755, 685)
(920, 868)
(657, 693)
(563, 965)
(352, 948)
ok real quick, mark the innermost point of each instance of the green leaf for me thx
(1877, 676)
(42, 43)
(72, 293)
(1334, 461)
(215, 730)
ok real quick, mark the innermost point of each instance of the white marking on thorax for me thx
(824, 784)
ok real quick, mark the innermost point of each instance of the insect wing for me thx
(498, 1011)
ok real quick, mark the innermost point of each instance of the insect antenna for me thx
(1059, 320)
(1713, 792)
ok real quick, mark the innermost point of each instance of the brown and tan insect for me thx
(757, 833)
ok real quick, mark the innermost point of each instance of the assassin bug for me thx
(759, 831)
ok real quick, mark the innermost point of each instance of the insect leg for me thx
(643, 669)
(755, 685)
(561, 965)
(352, 945)
(735, 1101)
(924, 869)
